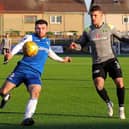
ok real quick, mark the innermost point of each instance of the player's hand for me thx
(75, 46)
(8, 56)
(67, 59)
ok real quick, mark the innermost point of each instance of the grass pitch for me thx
(68, 99)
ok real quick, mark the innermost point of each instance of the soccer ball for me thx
(30, 48)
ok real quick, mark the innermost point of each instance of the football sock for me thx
(30, 108)
(120, 95)
(103, 94)
(2, 95)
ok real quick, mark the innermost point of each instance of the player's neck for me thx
(98, 25)
(41, 37)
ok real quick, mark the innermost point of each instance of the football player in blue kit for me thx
(29, 69)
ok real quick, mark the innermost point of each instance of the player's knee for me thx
(99, 83)
(2, 92)
(99, 87)
(120, 85)
(35, 95)
(35, 92)
(119, 82)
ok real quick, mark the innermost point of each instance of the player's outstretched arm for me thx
(55, 57)
(75, 46)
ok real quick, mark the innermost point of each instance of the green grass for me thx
(68, 99)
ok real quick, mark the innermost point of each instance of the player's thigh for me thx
(99, 83)
(33, 83)
(98, 71)
(7, 86)
(115, 70)
(16, 78)
(32, 78)
(99, 75)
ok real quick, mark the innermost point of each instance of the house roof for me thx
(65, 6)
(42, 5)
(113, 6)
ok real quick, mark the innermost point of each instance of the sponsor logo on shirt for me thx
(96, 37)
(44, 49)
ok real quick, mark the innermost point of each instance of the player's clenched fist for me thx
(75, 46)
(67, 59)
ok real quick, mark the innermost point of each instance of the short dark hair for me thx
(95, 8)
(41, 21)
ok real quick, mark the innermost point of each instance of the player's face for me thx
(41, 30)
(96, 18)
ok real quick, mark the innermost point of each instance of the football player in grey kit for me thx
(98, 36)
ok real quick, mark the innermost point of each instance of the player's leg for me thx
(33, 83)
(4, 53)
(120, 94)
(116, 74)
(5, 59)
(4, 92)
(13, 80)
(99, 84)
(99, 76)
(34, 91)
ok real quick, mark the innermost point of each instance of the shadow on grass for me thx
(68, 126)
(85, 125)
(58, 115)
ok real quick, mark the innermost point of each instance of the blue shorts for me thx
(26, 76)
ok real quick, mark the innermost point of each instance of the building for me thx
(116, 12)
(62, 15)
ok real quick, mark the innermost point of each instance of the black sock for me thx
(1, 94)
(103, 94)
(120, 95)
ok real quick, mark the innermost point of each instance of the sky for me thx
(87, 17)
(88, 3)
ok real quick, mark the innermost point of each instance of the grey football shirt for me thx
(100, 41)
